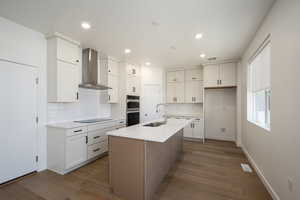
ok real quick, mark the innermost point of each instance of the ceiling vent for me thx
(212, 58)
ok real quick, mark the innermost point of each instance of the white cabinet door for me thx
(67, 82)
(194, 75)
(228, 74)
(175, 76)
(76, 150)
(211, 75)
(171, 93)
(113, 67)
(67, 51)
(188, 131)
(179, 92)
(113, 93)
(133, 85)
(198, 128)
(193, 92)
(133, 70)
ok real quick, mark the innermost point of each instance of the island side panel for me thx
(127, 164)
(160, 158)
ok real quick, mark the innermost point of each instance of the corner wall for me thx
(276, 153)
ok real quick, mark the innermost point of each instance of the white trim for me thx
(266, 183)
(59, 35)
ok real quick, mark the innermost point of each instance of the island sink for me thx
(155, 124)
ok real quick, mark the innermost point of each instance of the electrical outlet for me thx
(223, 130)
(290, 184)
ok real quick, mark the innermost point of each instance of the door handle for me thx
(86, 139)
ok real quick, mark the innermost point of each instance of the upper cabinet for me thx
(133, 70)
(113, 67)
(175, 76)
(194, 75)
(222, 75)
(63, 69)
(113, 80)
(185, 86)
(133, 80)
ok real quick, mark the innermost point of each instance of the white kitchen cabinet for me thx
(194, 75)
(113, 82)
(70, 148)
(222, 75)
(133, 70)
(76, 150)
(175, 76)
(195, 130)
(175, 93)
(113, 67)
(133, 85)
(193, 92)
(228, 75)
(67, 51)
(62, 70)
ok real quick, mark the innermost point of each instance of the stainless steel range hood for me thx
(90, 71)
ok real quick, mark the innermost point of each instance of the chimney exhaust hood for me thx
(90, 71)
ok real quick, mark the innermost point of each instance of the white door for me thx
(152, 95)
(76, 150)
(18, 106)
(228, 74)
(193, 75)
(211, 76)
(193, 92)
(171, 92)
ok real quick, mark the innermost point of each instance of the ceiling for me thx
(158, 31)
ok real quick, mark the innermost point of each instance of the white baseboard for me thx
(261, 176)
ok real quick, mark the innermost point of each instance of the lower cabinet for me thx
(68, 149)
(195, 129)
(76, 151)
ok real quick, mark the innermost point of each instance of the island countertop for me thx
(154, 134)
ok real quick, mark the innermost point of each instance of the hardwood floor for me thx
(209, 171)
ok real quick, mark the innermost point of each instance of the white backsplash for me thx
(89, 106)
(184, 109)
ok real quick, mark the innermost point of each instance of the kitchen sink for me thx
(155, 124)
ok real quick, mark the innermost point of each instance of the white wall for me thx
(88, 107)
(276, 153)
(220, 114)
(25, 46)
(184, 109)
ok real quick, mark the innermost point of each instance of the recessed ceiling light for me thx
(198, 36)
(127, 51)
(85, 25)
(148, 63)
(202, 55)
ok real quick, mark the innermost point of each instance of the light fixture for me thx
(148, 63)
(202, 55)
(198, 36)
(127, 51)
(85, 25)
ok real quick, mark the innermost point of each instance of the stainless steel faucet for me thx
(160, 104)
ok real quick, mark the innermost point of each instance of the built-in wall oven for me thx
(133, 110)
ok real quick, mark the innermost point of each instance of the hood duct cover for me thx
(90, 73)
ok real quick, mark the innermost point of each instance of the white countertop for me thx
(155, 134)
(72, 124)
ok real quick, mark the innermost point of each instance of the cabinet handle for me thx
(109, 70)
(191, 125)
(77, 95)
(77, 61)
(96, 137)
(133, 71)
(77, 131)
(95, 150)
(193, 78)
(220, 82)
(86, 139)
(133, 89)
(108, 97)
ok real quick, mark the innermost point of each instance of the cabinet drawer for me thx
(76, 131)
(97, 149)
(96, 136)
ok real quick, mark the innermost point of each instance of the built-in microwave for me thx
(133, 110)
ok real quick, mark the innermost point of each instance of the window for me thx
(259, 87)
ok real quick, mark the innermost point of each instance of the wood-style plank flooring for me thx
(209, 171)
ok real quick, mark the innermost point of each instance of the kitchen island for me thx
(140, 156)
